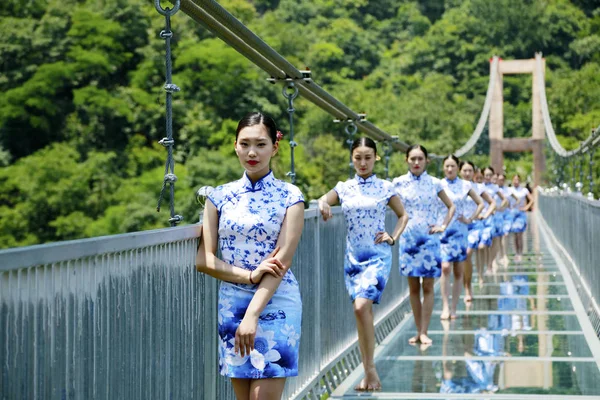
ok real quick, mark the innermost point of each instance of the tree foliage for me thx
(83, 105)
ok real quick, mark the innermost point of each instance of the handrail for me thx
(30, 256)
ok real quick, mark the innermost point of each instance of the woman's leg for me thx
(241, 387)
(519, 245)
(414, 287)
(445, 288)
(457, 286)
(363, 312)
(468, 275)
(503, 254)
(480, 262)
(493, 250)
(267, 389)
(427, 310)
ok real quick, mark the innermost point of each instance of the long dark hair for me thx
(258, 118)
(364, 141)
(414, 147)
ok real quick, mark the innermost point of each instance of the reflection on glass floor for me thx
(519, 338)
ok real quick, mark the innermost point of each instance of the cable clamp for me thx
(176, 219)
(171, 178)
(171, 88)
(166, 142)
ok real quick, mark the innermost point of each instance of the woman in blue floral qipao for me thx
(368, 259)
(523, 203)
(455, 238)
(497, 219)
(256, 223)
(420, 254)
(467, 172)
(486, 226)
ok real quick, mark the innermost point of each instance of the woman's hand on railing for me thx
(325, 209)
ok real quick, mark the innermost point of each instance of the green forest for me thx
(83, 105)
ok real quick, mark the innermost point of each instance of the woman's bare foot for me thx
(453, 315)
(423, 338)
(445, 313)
(468, 297)
(413, 339)
(370, 382)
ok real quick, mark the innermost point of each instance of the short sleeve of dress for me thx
(437, 183)
(216, 197)
(295, 196)
(468, 187)
(339, 189)
(388, 190)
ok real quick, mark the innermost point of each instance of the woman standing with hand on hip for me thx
(519, 225)
(467, 172)
(420, 254)
(368, 259)
(455, 238)
(256, 223)
(497, 219)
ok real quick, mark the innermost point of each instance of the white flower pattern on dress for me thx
(250, 219)
(419, 250)
(366, 264)
(292, 336)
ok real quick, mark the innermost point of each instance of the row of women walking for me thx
(256, 223)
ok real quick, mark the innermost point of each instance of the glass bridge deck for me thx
(525, 335)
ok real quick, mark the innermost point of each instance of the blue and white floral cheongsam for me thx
(366, 265)
(507, 214)
(250, 219)
(475, 227)
(420, 254)
(497, 218)
(486, 234)
(519, 223)
(454, 240)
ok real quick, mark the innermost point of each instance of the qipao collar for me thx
(414, 177)
(259, 184)
(363, 181)
(453, 181)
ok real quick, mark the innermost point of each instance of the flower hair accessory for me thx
(279, 136)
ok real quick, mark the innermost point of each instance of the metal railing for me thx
(128, 317)
(575, 222)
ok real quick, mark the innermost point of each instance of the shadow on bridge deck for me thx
(526, 334)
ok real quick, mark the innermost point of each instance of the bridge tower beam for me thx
(498, 144)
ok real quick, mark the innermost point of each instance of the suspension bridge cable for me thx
(592, 141)
(215, 18)
(483, 118)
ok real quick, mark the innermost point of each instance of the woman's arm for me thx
(504, 199)
(477, 199)
(486, 196)
(529, 202)
(208, 263)
(289, 237)
(326, 201)
(451, 210)
(395, 204)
